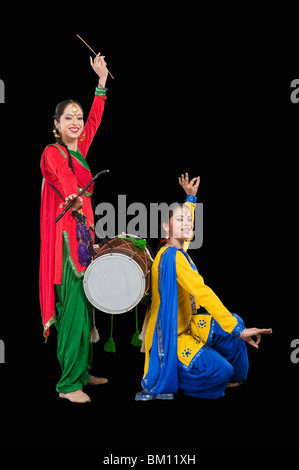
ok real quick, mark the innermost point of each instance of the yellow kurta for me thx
(193, 328)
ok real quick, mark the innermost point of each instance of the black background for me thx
(197, 92)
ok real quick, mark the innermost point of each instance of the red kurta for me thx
(56, 171)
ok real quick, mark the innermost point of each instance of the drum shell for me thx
(141, 257)
(101, 290)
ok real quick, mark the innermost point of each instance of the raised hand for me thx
(190, 187)
(100, 67)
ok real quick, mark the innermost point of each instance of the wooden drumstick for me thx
(93, 52)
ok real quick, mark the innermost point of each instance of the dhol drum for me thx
(119, 275)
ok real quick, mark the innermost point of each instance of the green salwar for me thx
(74, 321)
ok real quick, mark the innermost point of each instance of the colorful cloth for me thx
(162, 375)
(56, 171)
(176, 333)
(221, 360)
(73, 323)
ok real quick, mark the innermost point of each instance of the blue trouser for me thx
(224, 360)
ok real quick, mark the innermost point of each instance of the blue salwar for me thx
(223, 360)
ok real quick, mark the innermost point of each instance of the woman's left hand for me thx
(100, 67)
(190, 187)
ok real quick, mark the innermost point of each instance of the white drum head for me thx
(114, 283)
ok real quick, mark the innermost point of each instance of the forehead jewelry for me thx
(74, 108)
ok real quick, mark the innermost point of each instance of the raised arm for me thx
(95, 115)
(191, 188)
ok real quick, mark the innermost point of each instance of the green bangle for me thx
(100, 91)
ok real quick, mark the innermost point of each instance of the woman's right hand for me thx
(77, 205)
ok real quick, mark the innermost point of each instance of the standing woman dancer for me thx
(65, 245)
(197, 353)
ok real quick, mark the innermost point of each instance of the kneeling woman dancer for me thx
(198, 353)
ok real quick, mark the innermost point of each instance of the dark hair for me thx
(59, 110)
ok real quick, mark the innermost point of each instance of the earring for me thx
(82, 137)
(55, 133)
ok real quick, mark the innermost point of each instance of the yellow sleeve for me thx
(193, 283)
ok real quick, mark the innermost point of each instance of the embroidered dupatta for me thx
(162, 375)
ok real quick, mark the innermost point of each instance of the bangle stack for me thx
(100, 91)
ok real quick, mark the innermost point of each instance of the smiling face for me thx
(70, 124)
(180, 226)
